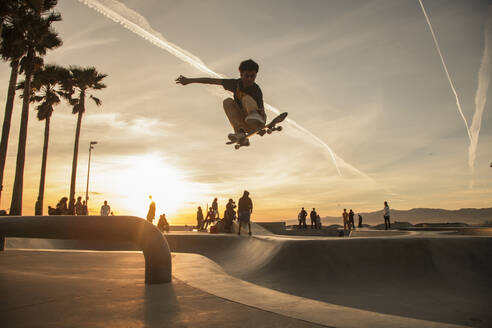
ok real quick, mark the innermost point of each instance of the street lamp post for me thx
(91, 147)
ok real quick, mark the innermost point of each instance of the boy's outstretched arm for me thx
(204, 80)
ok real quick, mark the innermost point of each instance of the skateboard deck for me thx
(266, 129)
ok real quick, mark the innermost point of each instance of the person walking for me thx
(244, 210)
(345, 220)
(318, 222)
(312, 216)
(386, 215)
(360, 221)
(351, 220)
(151, 212)
(105, 209)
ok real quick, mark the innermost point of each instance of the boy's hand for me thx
(182, 80)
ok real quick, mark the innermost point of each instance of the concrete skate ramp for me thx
(444, 279)
(475, 231)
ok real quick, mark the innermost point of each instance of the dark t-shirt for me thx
(245, 204)
(236, 86)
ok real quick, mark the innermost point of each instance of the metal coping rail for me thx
(158, 266)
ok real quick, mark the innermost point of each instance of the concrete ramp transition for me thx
(437, 278)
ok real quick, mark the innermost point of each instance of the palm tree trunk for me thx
(76, 154)
(39, 202)
(16, 204)
(9, 107)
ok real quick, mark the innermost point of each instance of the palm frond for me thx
(76, 108)
(99, 86)
(20, 85)
(96, 100)
(73, 101)
(36, 98)
(45, 110)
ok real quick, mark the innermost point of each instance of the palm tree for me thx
(11, 50)
(38, 37)
(45, 88)
(5, 11)
(81, 81)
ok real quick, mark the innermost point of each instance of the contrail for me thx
(446, 69)
(481, 95)
(137, 24)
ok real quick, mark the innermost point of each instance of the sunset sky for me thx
(362, 76)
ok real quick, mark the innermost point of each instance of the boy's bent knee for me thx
(228, 103)
(249, 104)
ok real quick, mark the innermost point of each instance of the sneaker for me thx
(234, 137)
(255, 118)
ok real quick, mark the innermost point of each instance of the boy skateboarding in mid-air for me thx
(245, 112)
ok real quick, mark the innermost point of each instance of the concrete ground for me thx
(383, 279)
(106, 289)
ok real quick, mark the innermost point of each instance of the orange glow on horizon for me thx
(127, 187)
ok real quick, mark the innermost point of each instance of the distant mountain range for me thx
(421, 215)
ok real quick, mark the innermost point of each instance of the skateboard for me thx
(266, 129)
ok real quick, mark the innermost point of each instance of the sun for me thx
(135, 178)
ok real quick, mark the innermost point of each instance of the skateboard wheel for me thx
(237, 146)
(269, 131)
(279, 128)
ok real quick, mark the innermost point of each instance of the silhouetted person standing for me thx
(360, 221)
(244, 210)
(386, 215)
(79, 208)
(151, 212)
(215, 208)
(105, 209)
(302, 219)
(345, 220)
(199, 219)
(71, 207)
(312, 216)
(229, 215)
(351, 220)
(85, 210)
